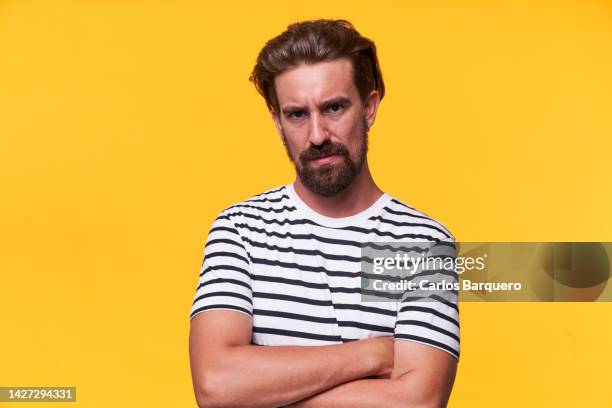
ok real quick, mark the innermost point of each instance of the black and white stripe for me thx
(296, 273)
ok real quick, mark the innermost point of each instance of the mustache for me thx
(326, 149)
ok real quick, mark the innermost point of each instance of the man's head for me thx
(322, 83)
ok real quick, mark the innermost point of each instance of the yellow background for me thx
(126, 126)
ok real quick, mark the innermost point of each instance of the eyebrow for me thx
(342, 100)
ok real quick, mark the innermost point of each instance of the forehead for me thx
(318, 81)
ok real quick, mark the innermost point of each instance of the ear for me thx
(277, 123)
(371, 107)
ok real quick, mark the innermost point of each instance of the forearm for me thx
(368, 393)
(271, 376)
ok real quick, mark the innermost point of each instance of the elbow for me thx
(433, 401)
(411, 402)
(213, 391)
(439, 404)
(206, 396)
(433, 405)
(209, 394)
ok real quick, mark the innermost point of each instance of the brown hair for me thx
(315, 41)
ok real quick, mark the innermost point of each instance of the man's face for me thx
(323, 124)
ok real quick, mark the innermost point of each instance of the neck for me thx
(358, 196)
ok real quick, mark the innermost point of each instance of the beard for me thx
(329, 179)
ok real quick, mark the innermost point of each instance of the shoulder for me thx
(271, 203)
(400, 213)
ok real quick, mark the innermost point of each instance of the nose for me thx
(319, 132)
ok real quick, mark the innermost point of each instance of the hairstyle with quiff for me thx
(315, 41)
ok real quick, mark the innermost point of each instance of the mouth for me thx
(325, 160)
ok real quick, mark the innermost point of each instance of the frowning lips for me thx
(324, 153)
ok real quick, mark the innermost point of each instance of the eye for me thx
(297, 114)
(336, 107)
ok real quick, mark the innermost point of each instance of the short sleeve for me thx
(225, 274)
(431, 316)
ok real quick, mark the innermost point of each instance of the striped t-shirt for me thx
(296, 273)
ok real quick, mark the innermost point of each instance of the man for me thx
(278, 318)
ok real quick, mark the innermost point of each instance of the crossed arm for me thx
(227, 371)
